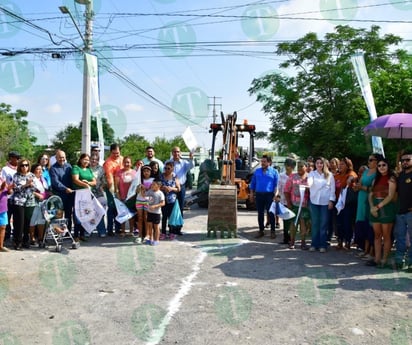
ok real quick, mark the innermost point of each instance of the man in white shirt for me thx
(181, 167)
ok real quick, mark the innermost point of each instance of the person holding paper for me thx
(181, 167)
(122, 182)
(297, 197)
(263, 189)
(82, 177)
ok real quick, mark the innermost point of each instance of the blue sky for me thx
(216, 53)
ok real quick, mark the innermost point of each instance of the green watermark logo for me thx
(337, 11)
(136, 260)
(9, 26)
(402, 5)
(317, 287)
(4, 285)
(104, 55)
(218, 246)
(57, 273)
(330, 340)
(115, 117)
(39, 132)
(190, 105)
(233, 305)
(16, 74)
(7, 338)
(177, 39)
(71, 333)
(260, 22)
(394, 280)
(402, 333)
(146, 319)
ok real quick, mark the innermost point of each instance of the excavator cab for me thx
(231, 166)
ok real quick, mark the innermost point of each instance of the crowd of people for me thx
(369, 209)
(24, 186)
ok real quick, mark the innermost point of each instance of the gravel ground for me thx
(198, 290)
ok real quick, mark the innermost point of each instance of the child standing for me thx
(4, 191)
(142, 201)
(156, 201)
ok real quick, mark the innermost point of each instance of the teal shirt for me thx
(362, 209)
(84, 175)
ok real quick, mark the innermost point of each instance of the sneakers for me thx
(147, 241)
(138, 240)
(154, 243)
(322, 250)
(172, 237)
(260, 234)
(135, 232)
(312, 249)
(277, 226)
(4, 249)
(162, 236)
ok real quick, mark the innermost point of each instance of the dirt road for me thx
(197, 290)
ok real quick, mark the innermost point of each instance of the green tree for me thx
(69, 139)
(14, 133)
(318, 109)
(134, 145)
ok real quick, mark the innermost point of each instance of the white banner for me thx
(364, 83)
(93, 70)
(88, 209)
(189, 139)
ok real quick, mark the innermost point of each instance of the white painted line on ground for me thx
(175, 303)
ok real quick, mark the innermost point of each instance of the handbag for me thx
(176, 218)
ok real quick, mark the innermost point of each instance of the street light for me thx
(87, 41)
(65, 10)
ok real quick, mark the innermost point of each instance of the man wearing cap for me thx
(7, 173)
(150, 157)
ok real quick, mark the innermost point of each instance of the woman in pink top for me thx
(123, 179)
(4, 191)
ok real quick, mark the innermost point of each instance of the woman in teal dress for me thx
(364, 236)
(383, 211)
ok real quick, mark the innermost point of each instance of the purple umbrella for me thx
(393, 126)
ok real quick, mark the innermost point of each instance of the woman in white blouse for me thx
(322, 196)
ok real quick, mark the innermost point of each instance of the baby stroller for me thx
(56, 230)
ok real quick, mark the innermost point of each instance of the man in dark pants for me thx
(7, 173)
(181, 167)
(264, 185)
(61, 178)
(403, 223)
(111, 166)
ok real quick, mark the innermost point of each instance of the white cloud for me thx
(13, 99)
(133, 107)
(53, 108)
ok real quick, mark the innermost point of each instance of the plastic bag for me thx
(176, 218)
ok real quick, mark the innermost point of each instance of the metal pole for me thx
(88, 45)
